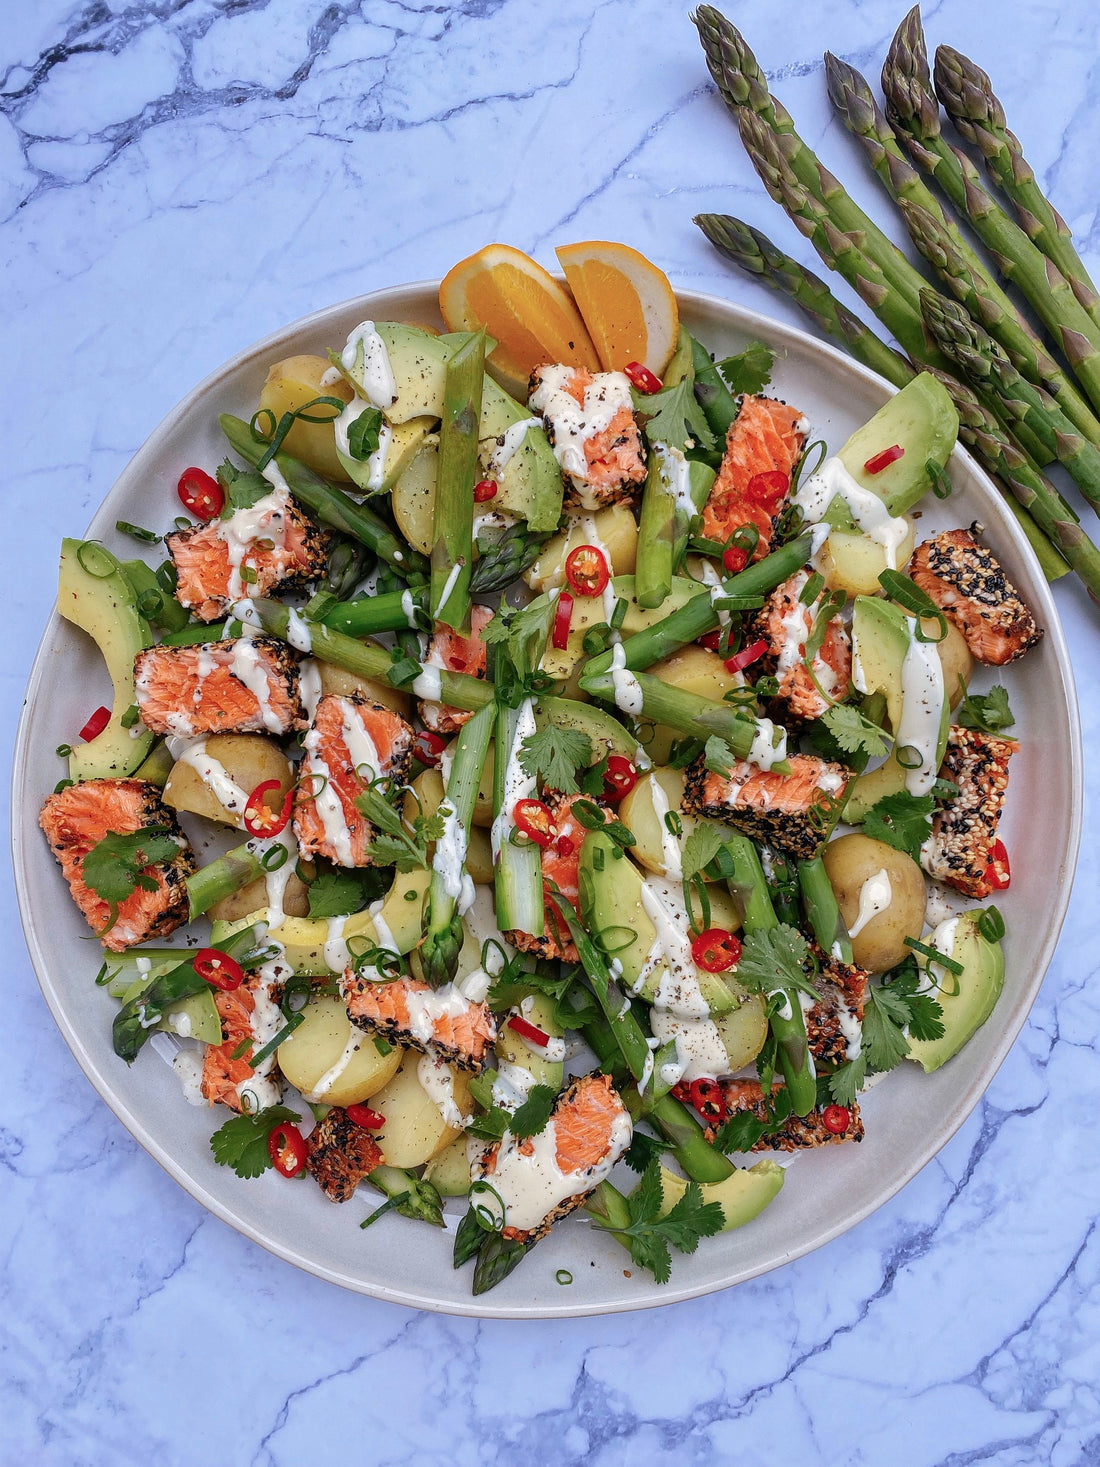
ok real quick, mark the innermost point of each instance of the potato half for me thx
(221, 769)
(320, 1048)
(882, 897)
(415, 1130)
(292, 383)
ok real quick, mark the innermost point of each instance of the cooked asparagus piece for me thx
(970, 101)
(453, 527)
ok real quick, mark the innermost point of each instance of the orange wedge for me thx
(527, 311)
(627, 303)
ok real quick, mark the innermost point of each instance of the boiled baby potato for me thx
(340, 683)
(253, 898)
(244, 760)
(413, 499)
(866, 872)
(615, 529)
(319, 1044)
(290, 385)
(956, 661)
(851, 562)
(639, 813)
(693, 669)
(449, 1172)
(415, 1130)
(743, 1031)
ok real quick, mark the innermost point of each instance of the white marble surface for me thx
(177, 179)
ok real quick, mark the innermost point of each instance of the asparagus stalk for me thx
(331, 505)
(366, 616)
(676, 490)
(518, 882)
(942, 245)
(969, 100)
(912, 107)
(453, 530)
(506, 559)
(221, 878)
(744, 88)
(700, 614)
(981, 360)
(823, 910)
(419, 1199)
(713, 396)
(443, 919)
(757, 255)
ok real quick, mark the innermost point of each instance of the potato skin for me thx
(852, 562)
(248, 759)
(292, 383)
(253, 898)
(617, 531)
(317, 1044)
(957, 664)
(413, 499)
(341, 683)
(415, 1131)
(639, 815)
(850, 863)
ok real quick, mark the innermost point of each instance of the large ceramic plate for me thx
(909, 1116)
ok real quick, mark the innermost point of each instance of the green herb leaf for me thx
(642, 1150)
(339, 893)
(718, 757)
(745, 1128)
(673, 416)
(901, 820)
(773, 959)
(243, 488)
(988, 712)
(884, 1045)
(649, 1238)
(852, 732)
(749, 371)
(554, 755)
(115, 867)
(846, 1083)
(531, 1117)
(242, 1142)
(701, 847)
(364, 435)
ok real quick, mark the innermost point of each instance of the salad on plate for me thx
(590, 761)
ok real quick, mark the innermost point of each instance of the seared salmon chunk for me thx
(793, 812)
(246, 685)
(561, 863)
(795, 1133)
(250, 1016)
(77, 818)
(959, 851)
(351, 743)
(441, 1022)
(268, 549)
(588, 1131)
(452, 652)
(340, 1154)
(833, 1023)
(965, 580)
(765, 439)
(785, 624)
(590, 422)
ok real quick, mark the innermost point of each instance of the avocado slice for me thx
(194, 1017)
(94, 593)
(511, 1047)
(611, 901)
(449, 1172)
(639, 618)
(605, 732)
(967, 999)
(882, 636)
(743, 1195)
(403, 448)
(922, 420)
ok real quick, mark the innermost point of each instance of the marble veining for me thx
(179, 177)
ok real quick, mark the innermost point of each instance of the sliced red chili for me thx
(534, 820)
(531, 1032)
(708, 1100)
(287, 1148)
(563, 617)
(836, 1119)
(734, 559)
(767, 489)
(716, 950)
(218, 968)
(485, 489)
(681, 1091)
(564, 846)
(712, 641)
(620, 779)
(201, 494)
(884, 459)
(259, 818)
(96, 724)
(429, 746)
(362, 1115)
(586, 570)
(642, 378)
(999, 873)
(746, 657)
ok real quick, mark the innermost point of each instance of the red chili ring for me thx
(734, 559)
(642, 378)
(201, 494)
(716, 950)
(287, 1148)
(620, 779)
(563, 617)
(586, 570)
(747, 656)
(708, 1100)
(998, 873)
(96, 724)
(362, 1115)
(836, 1119)
(534, 819)
(218, 969)
(767, 489)
(429, 746)
(259, 819)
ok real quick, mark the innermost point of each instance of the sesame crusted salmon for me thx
(561, 862)
(77, 818)
(965, 580)
(796, 1132)
(785, 624)
(767, 436)
(588, 1130)
(598, 447)
(440, 1021)
(270, 548)
(833, 1023)
(247, 1013)
(453, 652)
(340, 1154)
(351, 743)
(245, 685)
(964, 828)
(793, 812)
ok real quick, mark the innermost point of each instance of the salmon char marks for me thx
(243, 685)
(964, 829)
(590, 422)
(440, 1022)
(340, 1155)
(965, 580)
(785, 623)
(795, 1133)
(793, 812)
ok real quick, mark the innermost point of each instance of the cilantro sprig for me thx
(901, 820)
(339, 893)
(555, 755)
(529, 1119)
(775, 958)
(988, 712)
(395, 844)
(118, 865)
(853, 732)
(242, 1142)
(650, 1238)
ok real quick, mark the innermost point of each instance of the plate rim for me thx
(743, 318)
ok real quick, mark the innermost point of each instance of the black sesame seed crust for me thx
(340, 1154)
(965, 827)
(798, 833)
(965, 580)
(400, 1034)
(797, 1132)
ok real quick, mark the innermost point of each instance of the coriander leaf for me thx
(645, 1200)
(925, 1017)
(986, 711)
(592, 780)
(395, 846)
(701, 847)
(491, 1126)
(554, 755)
(642, 1150)
(846, 1083)
(531, 1117)
(388, 850)
(673, 416)
(364, 435)
(691, 1219)
(243, 488)
(649, 1237)
(901, 820)
(773, 959)
(115, 867)
(337, 893)
(884, 1045)
(852, 732)
(718, 757)
(748, 371)
(242, 1142)
(650, 1251)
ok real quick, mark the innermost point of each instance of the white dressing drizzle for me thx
(438, 1083)
(449, 861)
(517, 784)
(922, 700)
(532, 1185)
(248, 668)
(571, 424)
(628, 691)
(868, 511)
(508, 444)
(355, 1042)
(874, 897)
(376, 378)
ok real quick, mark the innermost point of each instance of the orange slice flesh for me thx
(626, 301)
(522, 306)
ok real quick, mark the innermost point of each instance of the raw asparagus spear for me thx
(969, 100)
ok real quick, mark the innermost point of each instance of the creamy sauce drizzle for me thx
(867, 510)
